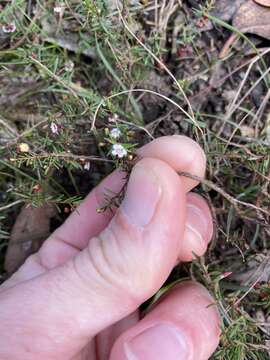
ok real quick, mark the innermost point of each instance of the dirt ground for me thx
(198, 68)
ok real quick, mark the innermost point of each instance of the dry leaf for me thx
(31, 228)
(257, 269)
(225, 9)
(263, 2)
(250, 18)
(253, 18)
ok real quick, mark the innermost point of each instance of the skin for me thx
(78, 297)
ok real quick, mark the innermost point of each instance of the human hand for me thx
(78, 299)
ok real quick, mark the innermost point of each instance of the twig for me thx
(260, 111)
(227, 196)
(64, 156)
(138, 90)
(23, 134)
(8, 127)
(142, 128)
(73, 88)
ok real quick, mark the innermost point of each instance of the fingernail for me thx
(197, 220)
(142, 196)
(159, 342)
(196, 229)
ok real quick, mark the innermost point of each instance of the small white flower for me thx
(9, 28)
(69, 65)
(87, 166)
(119, 151)
(114, 118)
(23, 147)
(58, 10)
(115, 133)
(54, 128)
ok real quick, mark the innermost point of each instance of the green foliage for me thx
(77, 74)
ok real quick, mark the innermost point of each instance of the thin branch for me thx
(8, 127)
(23, 134)
(227, 196)
(64, 156)
(143, 91)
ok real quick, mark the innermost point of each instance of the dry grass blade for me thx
(93, 125)
(234, 106)
(191, 116)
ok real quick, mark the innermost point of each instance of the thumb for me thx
(134, 255)
(122, 267)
